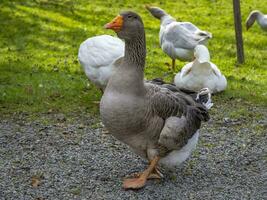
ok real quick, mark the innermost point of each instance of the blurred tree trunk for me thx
(238, 32)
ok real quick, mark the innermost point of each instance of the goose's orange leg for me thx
(136, 183)
(155, 174)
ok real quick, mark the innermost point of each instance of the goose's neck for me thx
(257, 16)
(128, 78)
(203, 56)
(166, 19)
(135, 52)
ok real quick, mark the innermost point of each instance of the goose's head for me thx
(201, 53)
(156, 12)
(251, 18)
(128, 25)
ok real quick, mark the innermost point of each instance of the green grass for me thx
(39, 41)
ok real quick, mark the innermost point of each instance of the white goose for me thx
(259, 17)
(98, 56)
(201, 73)
(178, 39)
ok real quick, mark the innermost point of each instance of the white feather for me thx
(176, 157)
(262, 21)
(178, 39)
(201, 73)
(98, 56)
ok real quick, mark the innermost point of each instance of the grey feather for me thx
(178, 130)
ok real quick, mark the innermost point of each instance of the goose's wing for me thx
(178, 130)
(172, 87)
(186, 69)
(189, 26)
(180, 112)
(180, 36)
(199, 35)
(166, 103)
(215, 70)
(100, 51)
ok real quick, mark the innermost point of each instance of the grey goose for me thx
(157, 123)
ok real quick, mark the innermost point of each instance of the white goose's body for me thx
(201, 73)
(259, 17)
(178, 39)
(98, 56)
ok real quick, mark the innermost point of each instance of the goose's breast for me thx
(122, 113)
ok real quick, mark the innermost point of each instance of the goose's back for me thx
(178, 39)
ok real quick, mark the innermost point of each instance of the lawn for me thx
(39, 41)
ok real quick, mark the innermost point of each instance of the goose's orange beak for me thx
(115, 24)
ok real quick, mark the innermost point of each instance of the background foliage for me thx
(39, 41)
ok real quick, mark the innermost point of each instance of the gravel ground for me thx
(57, 157)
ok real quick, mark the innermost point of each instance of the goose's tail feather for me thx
(204, 97)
